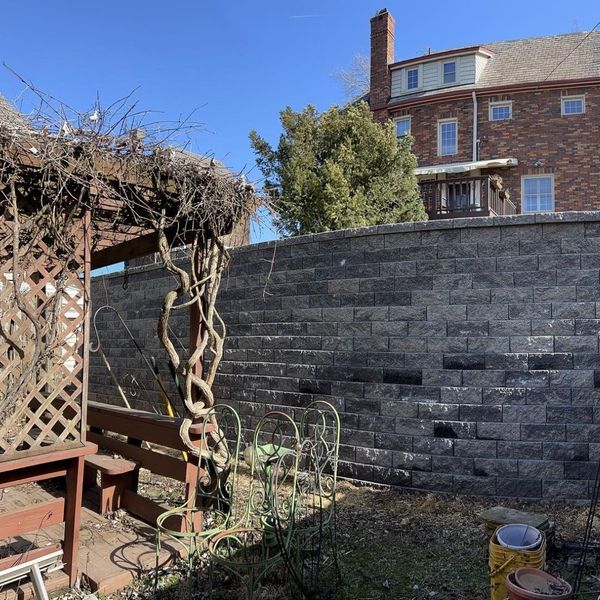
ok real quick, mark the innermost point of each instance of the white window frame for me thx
(564, 99)
(498, 105)
(540, 176)
(448, 62)
(419, 70)
(439, 136)
(403, 118)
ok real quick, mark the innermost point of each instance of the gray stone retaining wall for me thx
(462, 354)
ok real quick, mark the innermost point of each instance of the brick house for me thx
(500, 128)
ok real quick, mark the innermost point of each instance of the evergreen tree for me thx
(337, 170)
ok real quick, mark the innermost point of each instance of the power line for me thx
(581, 42)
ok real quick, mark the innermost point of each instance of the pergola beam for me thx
(135, 247)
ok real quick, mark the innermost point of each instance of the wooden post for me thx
(87, 305)
(73, 516)
(89, 474)
(191, 474)
(191, 479)
(134, 482)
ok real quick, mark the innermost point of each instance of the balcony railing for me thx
(466, 197)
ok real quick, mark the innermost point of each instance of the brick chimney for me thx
(382, 54)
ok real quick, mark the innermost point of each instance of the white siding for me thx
(465, 69)
(480, 62)
(397, 82)
(468, 70)
(431, 75)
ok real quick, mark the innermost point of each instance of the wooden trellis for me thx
(72, 198)
(44, 302)
(41, 345)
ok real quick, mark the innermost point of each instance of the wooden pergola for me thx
(45, 295)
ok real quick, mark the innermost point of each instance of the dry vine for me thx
(118, 170)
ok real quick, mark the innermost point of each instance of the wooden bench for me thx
(120, 476)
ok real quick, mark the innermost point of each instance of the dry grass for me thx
(405, 545)
(412, 545)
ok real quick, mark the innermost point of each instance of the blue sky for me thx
(237, 63)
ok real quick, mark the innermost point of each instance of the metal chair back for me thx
(253, 547)
(313, 547)
(211, 505)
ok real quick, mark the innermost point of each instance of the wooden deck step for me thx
(111, 555)
(116, 475)
(109, 465)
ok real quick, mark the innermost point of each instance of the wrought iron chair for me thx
(210, 508)
(253, 547)
(311, 555)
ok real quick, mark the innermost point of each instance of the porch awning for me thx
(464, 167)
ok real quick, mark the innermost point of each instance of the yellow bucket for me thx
(503, 561)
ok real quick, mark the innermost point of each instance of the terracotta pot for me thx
(516, 592)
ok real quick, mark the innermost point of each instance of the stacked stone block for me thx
(461, 354)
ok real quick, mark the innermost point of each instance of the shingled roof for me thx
(539, 59)
(532, 60)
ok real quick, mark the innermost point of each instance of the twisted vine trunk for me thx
(198, 290)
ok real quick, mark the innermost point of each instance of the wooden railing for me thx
(137, 428)
(465, 197)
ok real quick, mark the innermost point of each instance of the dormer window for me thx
(412, 79)
(449, 72)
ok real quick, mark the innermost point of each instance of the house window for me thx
(449, 72)
(572, 105)
(447, 137)
(412, 79)
(537, 193)
(500, 111)
(402, 126)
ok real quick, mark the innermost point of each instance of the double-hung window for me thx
(449, 72)
(447, 137)
(572, 105)
(500, 111)
(402, 126)
(412, 78)
(537, 193)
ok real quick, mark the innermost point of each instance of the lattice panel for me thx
(41, 345)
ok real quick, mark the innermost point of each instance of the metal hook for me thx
(150, 363)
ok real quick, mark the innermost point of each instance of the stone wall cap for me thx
(393, 228)
(441, 224)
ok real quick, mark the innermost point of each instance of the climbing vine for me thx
(120, 172)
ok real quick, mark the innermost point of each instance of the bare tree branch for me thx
(355, 79)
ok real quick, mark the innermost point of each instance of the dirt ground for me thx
(397, 544)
